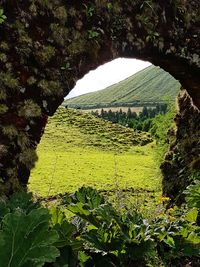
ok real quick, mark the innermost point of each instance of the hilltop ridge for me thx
(146, 87)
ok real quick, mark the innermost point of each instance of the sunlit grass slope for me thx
(147, 87)
(79, 149)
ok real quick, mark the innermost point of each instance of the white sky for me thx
(107, 74)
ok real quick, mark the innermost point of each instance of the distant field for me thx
(114, 109)
(78, 149)
(147, 87)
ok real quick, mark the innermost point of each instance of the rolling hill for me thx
(79, 149)
(147, 87)
(91, 132)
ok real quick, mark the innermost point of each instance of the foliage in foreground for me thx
(97, 234)
(25, 238)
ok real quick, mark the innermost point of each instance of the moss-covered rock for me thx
(182, 162)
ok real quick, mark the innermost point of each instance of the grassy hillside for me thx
(79, 149)
(146, 87)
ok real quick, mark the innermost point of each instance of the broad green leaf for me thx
(169, 241)
(104, 239)
(3, 209)
(86, 195)
(66, 231)
(25, 240)
(83, 258)
(57, 216)
(67, 258)
(191, 216)
(23, 201)
(187, 247)
(194, 238)
(85, 204)
(193, 194)
(18, 201)
(139, 250)
(2, 16)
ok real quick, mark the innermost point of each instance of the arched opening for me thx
(79, 150)
(45, 47)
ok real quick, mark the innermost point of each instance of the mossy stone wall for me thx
(47, 45)
(181, 165)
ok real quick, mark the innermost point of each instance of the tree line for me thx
(141, 121)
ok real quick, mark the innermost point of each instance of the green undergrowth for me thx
(97, 234)
(79, 149)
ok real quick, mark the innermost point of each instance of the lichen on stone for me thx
(28, 158)
(60, 34)
(4, 46)
(3, 94)
(3, 107)
(61, 14)
(29, 109)
(23, 141)
(3, 57)
(10, 131)
(31, 80)
(7, 80)
(49, 88)
(45, 54)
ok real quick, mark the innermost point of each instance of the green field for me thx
(79, 149)
(147, 87)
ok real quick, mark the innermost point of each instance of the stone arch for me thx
(47, 45)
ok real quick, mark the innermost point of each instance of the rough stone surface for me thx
(182, 163)
(47, 45)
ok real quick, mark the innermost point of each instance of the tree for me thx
(146, 125)
(134, 115)
(144, 113)
(152, 112)
(129, 114)
(110, 115)
(102, 113)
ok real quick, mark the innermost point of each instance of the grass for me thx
(147, 87)
(79, 149)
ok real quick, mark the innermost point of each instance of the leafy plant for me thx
(2, 16)
(25, 237)
(67, 243)
(89, 10)
(25, 240)
(97, 235)
(129, 238)
(193, 194)
(93, 34)
(66, 66)
(110, 6)
(19, 201)
(161, 125)
(105, 232)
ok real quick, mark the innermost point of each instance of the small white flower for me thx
(44, 103)
(22, 89)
